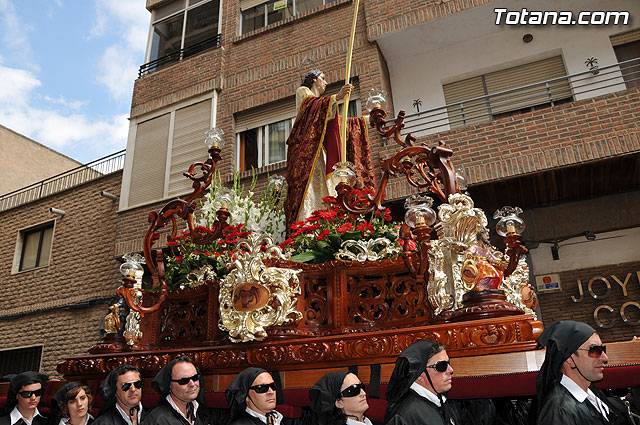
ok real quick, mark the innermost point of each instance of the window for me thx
(20, 360)
(258, 13)
(165, 145)
(36, 246)
(627, 47)
(263, 145)
(266, 144)
(465, 112)
(179, 26)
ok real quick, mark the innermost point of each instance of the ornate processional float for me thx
(346, 288)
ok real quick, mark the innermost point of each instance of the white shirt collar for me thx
(16, 416)
(64, 421)
(581, 395)
(423, 392)
(262, 417)
(354, 422)
(175, 406)
(125, 415)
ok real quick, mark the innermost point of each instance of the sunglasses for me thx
(125, 386)
(28, 394)
(263, 388)
(440, 366)
(353, 390)
(185, 381)
(595, 351)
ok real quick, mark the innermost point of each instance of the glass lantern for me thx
(132, 266)
(462, 183)
(419, 211)
(224, 194)
(214, 138)
(509, 222)
(343, 172)
(376, 99)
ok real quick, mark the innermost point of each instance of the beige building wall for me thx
(25, 161)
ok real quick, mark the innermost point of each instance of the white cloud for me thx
(117, 72)
(16, 86)
(71, 104)
(120, 61)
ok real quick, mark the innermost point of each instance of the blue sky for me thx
(67, 69)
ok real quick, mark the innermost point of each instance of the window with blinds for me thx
(20, 360)
(480, 99)
(164, 148)
(149, 161)
(627, 47)
(187, 146)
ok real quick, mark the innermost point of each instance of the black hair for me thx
(435, 349)
(310, 77)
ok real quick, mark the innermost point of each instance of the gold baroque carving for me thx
(254, 296)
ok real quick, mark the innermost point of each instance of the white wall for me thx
(424, 57)
(620, 246)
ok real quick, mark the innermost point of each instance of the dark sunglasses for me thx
(27, 394)
(595, 351)
(185, 381)
(127, 385)
(353, 390)
(263, 388)
(440, 366)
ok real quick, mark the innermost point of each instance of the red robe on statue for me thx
(315, 130)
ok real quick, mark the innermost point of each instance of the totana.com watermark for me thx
(546, 17)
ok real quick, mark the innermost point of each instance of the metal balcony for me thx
(179, 55)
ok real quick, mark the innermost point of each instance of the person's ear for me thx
(339, 403)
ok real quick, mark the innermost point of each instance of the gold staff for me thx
(345, 106)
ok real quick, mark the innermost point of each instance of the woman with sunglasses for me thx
(25, 390)
(252, 399)
(417, 389)
(73, 402)
(338, 398)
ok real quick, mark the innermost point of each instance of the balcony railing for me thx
(179, 55)
(63, 181)
(522, 99)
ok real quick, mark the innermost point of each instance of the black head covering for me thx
(109, 386)
(324, 394)
(57, 401)
(162, 382)
(562, 339)
(19, 381)
(239, 390)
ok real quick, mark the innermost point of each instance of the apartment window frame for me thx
(174, 10)
(22, 243)
(19, 352)
(126, 200)
(263, 145)
(265, 13)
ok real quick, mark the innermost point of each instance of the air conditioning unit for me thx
(548, 283)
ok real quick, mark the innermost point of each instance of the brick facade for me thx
(559, 305)
(61, 305)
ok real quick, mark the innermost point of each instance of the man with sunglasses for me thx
(182, 388)
(122, 393)
(25, 391)
(574, 360)
(252, 398)
(418, 385)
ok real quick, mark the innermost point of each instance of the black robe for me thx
(37, 420)
(562, 408)
(113, 417)
(414, 410)
(164, 414)
(243, 418)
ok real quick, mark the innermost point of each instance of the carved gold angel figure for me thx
(112, 320)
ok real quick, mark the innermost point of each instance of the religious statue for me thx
(314, 148)
(483, 267)
(112, 320)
